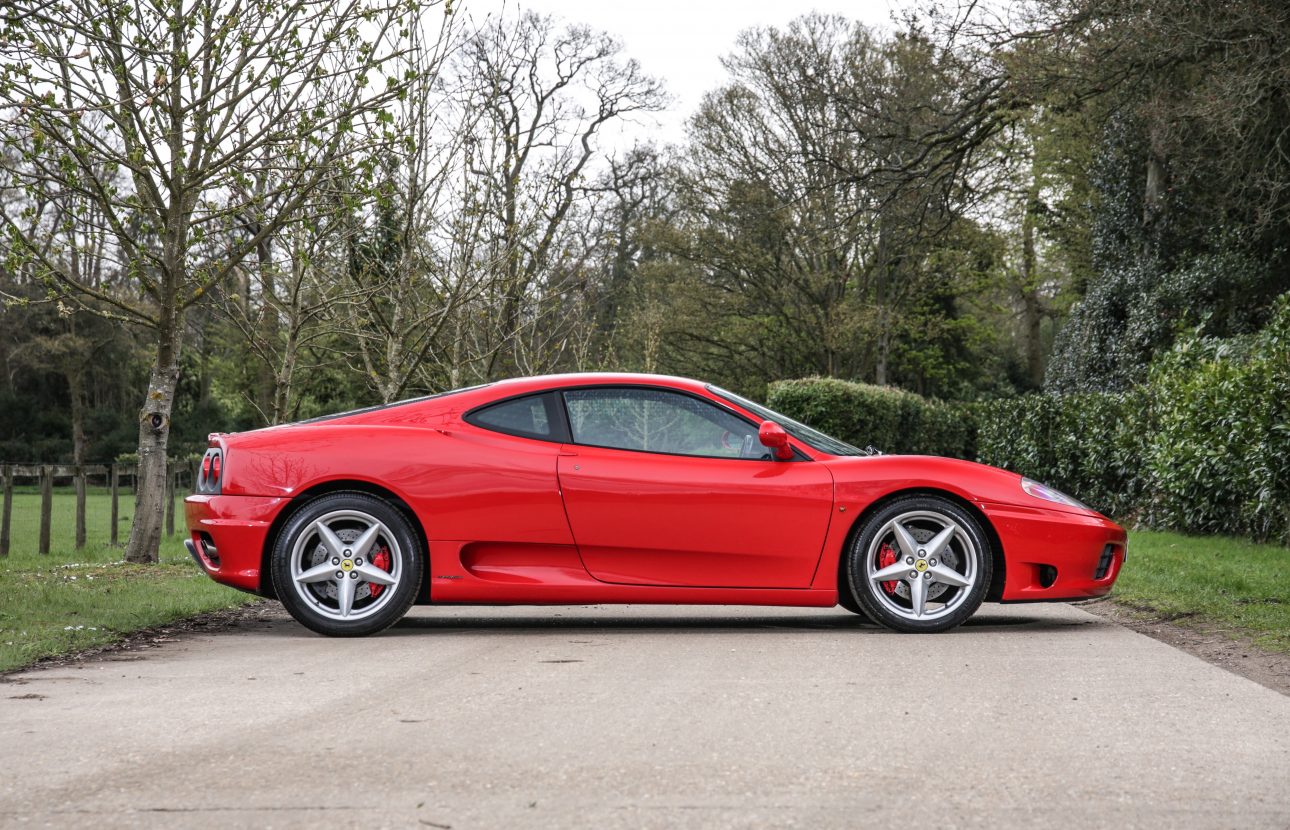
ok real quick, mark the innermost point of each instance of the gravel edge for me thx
(1217, 646)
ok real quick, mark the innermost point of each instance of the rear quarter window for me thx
(531, 416)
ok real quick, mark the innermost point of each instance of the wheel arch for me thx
(268, 589)
(999, 563)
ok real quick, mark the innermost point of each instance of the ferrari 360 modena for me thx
(622, 488)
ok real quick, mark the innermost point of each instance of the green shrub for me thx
(1089, 445)
(1219, 455)
(892, 420)
(1203, 446)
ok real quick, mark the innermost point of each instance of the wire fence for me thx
(113, 478)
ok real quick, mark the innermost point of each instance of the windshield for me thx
(811, 437)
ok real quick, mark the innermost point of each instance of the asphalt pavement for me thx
(639, 716)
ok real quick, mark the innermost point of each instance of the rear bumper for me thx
(1054, 555)
(226, 536)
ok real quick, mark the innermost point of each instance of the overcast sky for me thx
(682, 41)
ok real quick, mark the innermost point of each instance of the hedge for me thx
(1219, 455)
(1203, 446)
(893, 420)
(1090, 445)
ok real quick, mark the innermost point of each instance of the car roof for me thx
(418, 410)
(514, 386)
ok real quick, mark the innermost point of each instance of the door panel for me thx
(650, 519)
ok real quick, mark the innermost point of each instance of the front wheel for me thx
(848, 602)
(347, 564)
(921, 564)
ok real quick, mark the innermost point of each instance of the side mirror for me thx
(773, 435)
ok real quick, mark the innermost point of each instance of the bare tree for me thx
(781, 242)
(414, 261)
(546, 94)
(309, 296)
(160, 115)
(478, 259)
(283, 305)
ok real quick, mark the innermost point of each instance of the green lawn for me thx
(62, 527)
(72, 600)
(1233, 585)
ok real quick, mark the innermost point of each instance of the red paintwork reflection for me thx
(518, 520)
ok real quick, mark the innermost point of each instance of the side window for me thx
(658, 421)
(527, 417)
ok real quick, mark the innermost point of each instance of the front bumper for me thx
(227, 535)
(1055, 555)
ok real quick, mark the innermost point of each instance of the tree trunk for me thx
(76, 390)
(154, 440)
(1154, 204)
(884, 354)
(454, 373)
(285, 381)
(267, 381)
(883, 290)
(154, 417)
(202, 321)
(1032, 305)
(1032, 318)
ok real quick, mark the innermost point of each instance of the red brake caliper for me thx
(886, 557)
(381, 559)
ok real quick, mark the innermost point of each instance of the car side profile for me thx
(623, 488)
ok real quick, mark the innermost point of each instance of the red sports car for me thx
(619, 488)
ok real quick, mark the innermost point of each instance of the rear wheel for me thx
(347, 564)
(921, 564)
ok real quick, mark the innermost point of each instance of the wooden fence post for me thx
(170, 498)
(46, 506)
(7, 510)
(80, 506)
(115, 476)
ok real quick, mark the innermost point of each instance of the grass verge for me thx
(70, 601)
(1231, 585)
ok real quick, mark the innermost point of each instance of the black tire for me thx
(318, 604)
(964, 556)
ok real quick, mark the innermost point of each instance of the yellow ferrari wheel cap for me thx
(921, 565)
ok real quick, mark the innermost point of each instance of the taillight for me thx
(208, 478)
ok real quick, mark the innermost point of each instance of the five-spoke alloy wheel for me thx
(920, 564)
(347, 564)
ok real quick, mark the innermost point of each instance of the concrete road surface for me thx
(604, 717)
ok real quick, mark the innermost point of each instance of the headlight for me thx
(1043, 491)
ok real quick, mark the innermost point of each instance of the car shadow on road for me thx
(698, 624)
